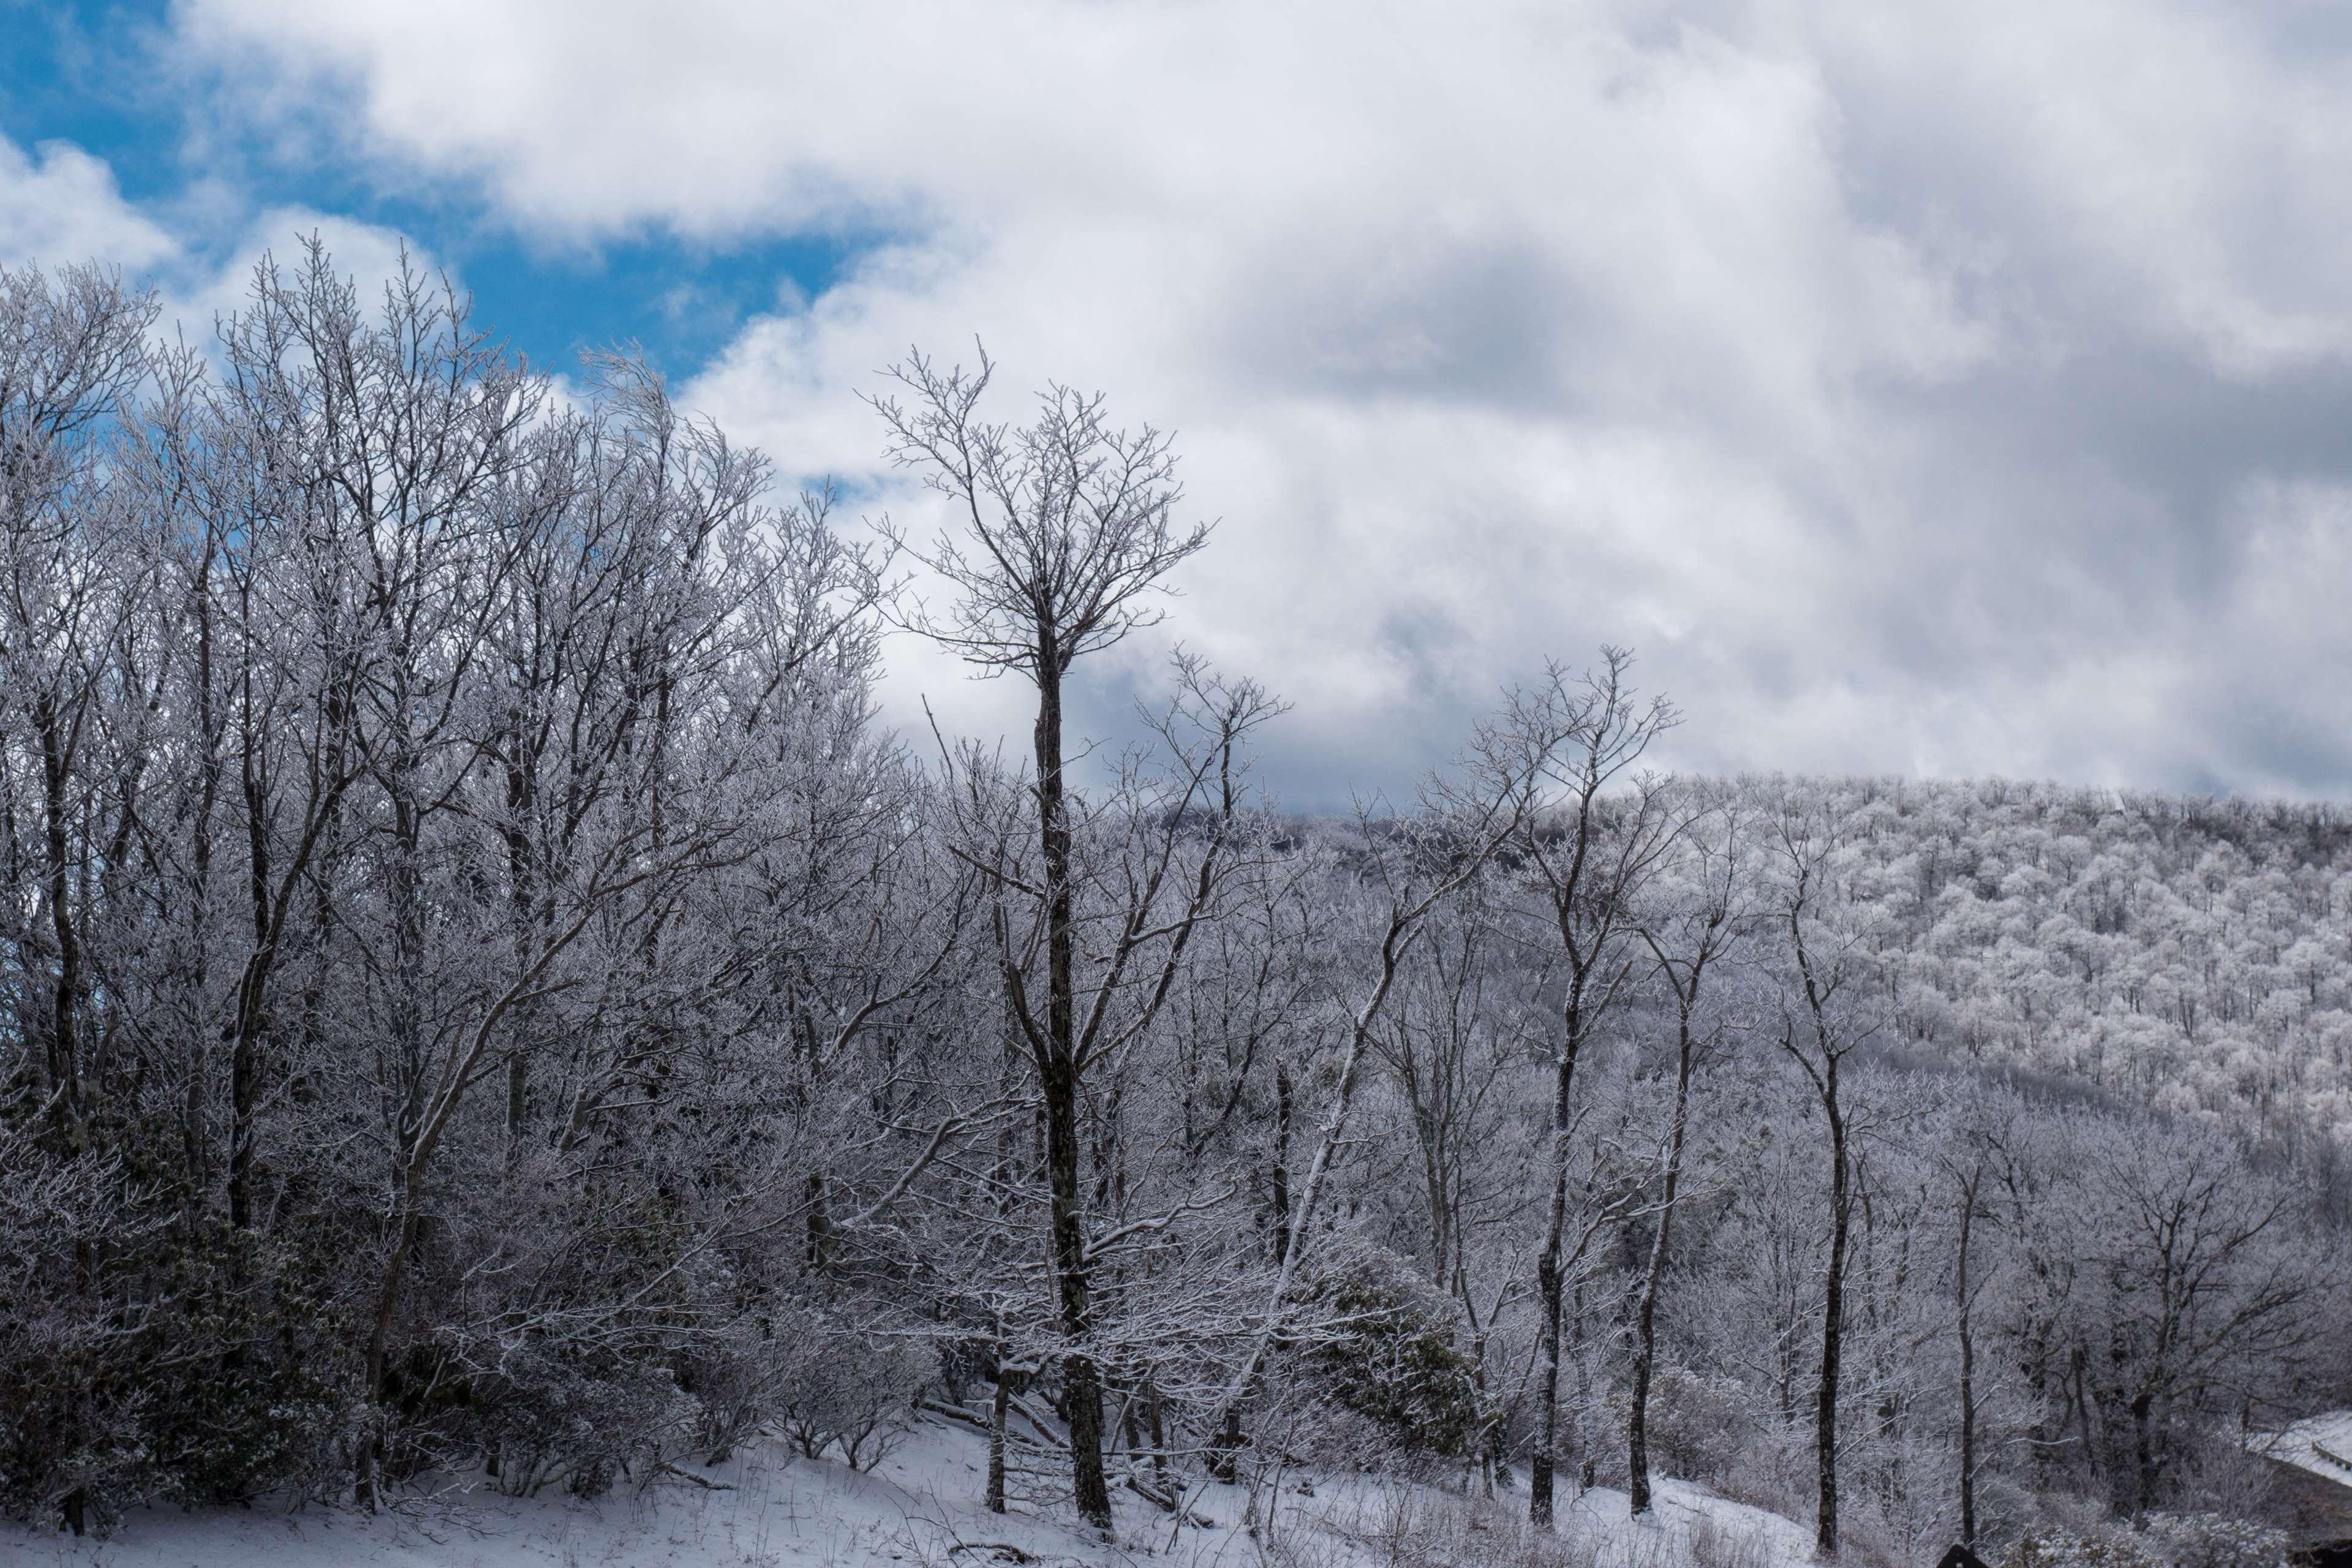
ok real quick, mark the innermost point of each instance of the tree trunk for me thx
(1550, 1271)
(1000, 1404)
(194, 1109)
(245, 1030)
(1588, 1452)
(522, 792)
(1226, 1448)
(1059, 1085)
(1968, 1377)
(1646, 1315)
(1159, 1430)
(65, 1062)
(2147, 1464)
(1278, 1178)
(1539, 1467)
(387, 1307)
(1825, 1414)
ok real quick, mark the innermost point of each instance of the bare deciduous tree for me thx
(1825, 974)
(1583, 860)
(1699, 930)
(1062, 528)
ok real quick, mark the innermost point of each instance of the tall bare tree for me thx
(1826, 971)
(1583, 859)
(1062, 528)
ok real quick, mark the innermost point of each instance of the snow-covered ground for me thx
(2320, 1444)
(921, 1508)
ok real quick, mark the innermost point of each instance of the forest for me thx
(483, 993)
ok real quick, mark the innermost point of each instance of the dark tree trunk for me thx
(1278, 1179)
(1588, 1455)
(370, 1458)
(2147, 1454)
(1059, 1074)
(1226, 1448)
(522, 799)
(1540, 1467)
(1550, 1270)
(196, 1109)
(1825, 1414)
(1967, 1377)
(1159, 1430)
(245, 1030)
(65, 1060)
(1646, 1316)
(1000, 1404)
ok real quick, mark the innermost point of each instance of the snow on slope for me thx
(922, 1509)
(1765, 1539)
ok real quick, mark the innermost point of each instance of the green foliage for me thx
(565, 1412)
(206, 1364)
(253, 1379)
(2050, 1547)
(2160, 1540)
(2210, 1541)
(1383, 1343)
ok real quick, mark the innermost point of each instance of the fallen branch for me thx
(1172, 1500)
(1013, 1441)
(952, 1412)
(1045, 1429)
(705, 1482)
(1143, 1490)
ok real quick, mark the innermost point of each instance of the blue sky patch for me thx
(94, 73)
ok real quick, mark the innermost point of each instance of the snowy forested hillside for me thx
(2192, 954)
(486, 1002)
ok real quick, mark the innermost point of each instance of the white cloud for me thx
(197, 294)
(58, 206)
(1875, 369)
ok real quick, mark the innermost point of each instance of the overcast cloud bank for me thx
(1919, 393)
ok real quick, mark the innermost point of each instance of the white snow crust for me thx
(921, 1508)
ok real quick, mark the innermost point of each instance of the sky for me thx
(1925, 390)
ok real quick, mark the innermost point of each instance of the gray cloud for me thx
(1921, 391)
